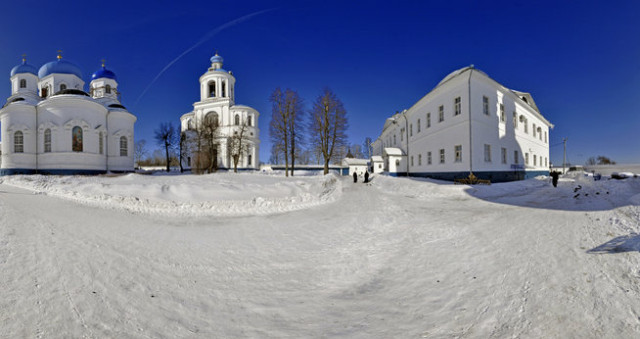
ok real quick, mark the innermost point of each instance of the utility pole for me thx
(564, 157)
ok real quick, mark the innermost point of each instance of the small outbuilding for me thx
(356, 165)
(377, 164)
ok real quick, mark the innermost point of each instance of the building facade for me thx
(50, 125)
(232, 124)
(468, 123)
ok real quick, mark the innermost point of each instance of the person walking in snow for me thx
(366, 177)
(355, 176)
(554, 178)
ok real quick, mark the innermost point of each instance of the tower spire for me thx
(59, 54)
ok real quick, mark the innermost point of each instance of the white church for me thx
(217, 106)
(50, 125)
(468, 123)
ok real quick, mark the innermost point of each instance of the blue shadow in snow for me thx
(623, 243)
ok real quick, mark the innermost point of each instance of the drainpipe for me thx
(406, 131)
(470, 117)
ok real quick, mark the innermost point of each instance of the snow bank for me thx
(220, 194)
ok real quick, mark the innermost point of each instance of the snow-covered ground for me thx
(264, 256)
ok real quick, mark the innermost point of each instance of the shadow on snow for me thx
(623, 243)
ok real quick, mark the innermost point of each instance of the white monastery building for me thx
(217, 106)
(50, 125)
(468, 123)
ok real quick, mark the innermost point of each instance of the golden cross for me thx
(103, 60)
(59, 54)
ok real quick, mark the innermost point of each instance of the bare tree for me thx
(207, 144)
(286, 126)
(238, 144)
(367, 148)
(276, 152)
(139, 151)
(328, 125)
(165, 136)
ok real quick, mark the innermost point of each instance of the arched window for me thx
(212, 89)
(107, 89)
(63, 87)
(18, 142)
(237, 120)
(224, 89)
(100, 143)
(123, 147)
(249, 120)
(23, 83)
(76, 139)
(47, 140)
(211, 119)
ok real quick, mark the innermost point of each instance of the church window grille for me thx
(236, 120)
(63, 87)
(107, 89)
(100, 143)
(76, 139)
(47, 140)
(458, 153)
(442, 156)
(124, 151)
(485, 105)
(18, 142)
(457, 104)
(23, 83)
(441, 113)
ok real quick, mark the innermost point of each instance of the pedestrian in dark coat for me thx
(355, 177)
(366, 177)
(554, 178)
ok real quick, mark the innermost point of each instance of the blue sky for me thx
(579, 60)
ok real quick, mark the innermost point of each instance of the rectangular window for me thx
(418, 125)
(487, 153)
(428, 120)
(526, 126)
(402, 134)
(411, 130)
(419, 159)
(515, 157)
(535, 160)
(457, 106)
(442, 156)
(101, 143)
(502, 116)
(515, 119)
(545, 138)
(249, 160)
(534, 130)
(441, 114)
(412, 161)
(485, 105)
(458, 153)
(428, 158)
(394, 139)
(503, 153)
(526, 158)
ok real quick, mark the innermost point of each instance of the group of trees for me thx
(324, 125)
(600, 160)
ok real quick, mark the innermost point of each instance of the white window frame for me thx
(458, 153)
(457, 104)
(487, 153)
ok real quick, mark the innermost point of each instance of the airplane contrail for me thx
(200, 42)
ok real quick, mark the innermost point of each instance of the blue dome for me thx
(216, 58)
(59, 66)
(24, 67)
(103, 73)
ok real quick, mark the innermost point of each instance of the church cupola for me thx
(217, 83)
(24, 78)
(104, 84)
(59, 75)
(216, 62)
